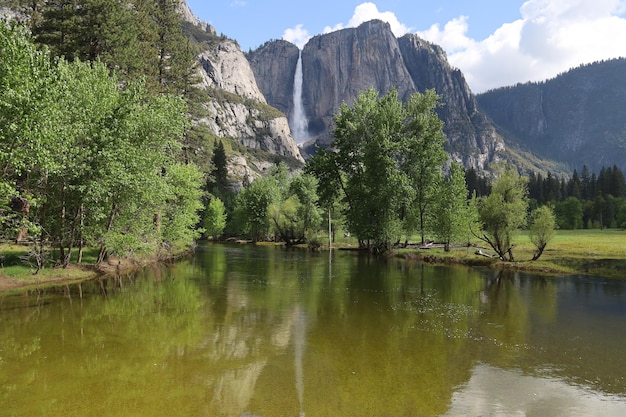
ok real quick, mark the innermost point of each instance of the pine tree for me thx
(574, 188)
(618, 183)
(58, 27)
(586, 185)
(220, 171)
(174, 55)
(143, 38)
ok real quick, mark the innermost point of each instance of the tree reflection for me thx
(272, 332)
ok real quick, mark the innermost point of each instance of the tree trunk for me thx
(81, 242)
(537, 254)
(330, 231)
(102, 253)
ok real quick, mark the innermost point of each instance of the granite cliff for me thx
(235, 107)
(339, 65)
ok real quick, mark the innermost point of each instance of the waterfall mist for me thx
(298, 121)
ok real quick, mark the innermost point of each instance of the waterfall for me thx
(298, 120)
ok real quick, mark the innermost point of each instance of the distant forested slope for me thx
(577, 118)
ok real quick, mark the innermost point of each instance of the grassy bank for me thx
(593, 252)
(17, 272)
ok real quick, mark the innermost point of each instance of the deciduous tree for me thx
(384, 164)
(451, 207)
(214, 218)
(97, 164)
(503, 213)
(542, 229)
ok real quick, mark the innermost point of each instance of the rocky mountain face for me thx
(235, 107)
(275, 77)
(243, 114)
(339, 65)
(576, 118)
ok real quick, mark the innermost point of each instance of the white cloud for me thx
(452, 38)
(298, 35)
(328, 29)
(551, 36)
(365, 12)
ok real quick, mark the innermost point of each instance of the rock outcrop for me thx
(472, 140)
(235, 106)
(275, 77)
(225, 67)
(339, 65)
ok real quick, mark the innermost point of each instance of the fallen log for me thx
(481, 253)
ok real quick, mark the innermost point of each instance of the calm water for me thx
(245, 331)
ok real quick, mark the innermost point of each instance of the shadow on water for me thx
(610, 268)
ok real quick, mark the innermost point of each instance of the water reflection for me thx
(500, 392)
(299, 345)
(261, 331)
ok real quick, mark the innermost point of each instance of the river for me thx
(265, 331)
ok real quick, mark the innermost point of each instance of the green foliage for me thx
(451, 208)
(297, 215)
(180, 208)
(367, 137)
(95, 163)
(503, 213)
(265, 111)
(215, 218)
(285, 220)
(251, 208)
(620, 216)
(198, 146)
(222, 96)
(385, 164)
(323, 166)
(423, 155)
(220, 172)
(569, 213)
(280, 206)
(201, 39)
(26, 76)
(542, 229)
(303, 187)
(143, 38)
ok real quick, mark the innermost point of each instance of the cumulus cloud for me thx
(365, 12)
(453, 36)
(298, 35)
(551, 36)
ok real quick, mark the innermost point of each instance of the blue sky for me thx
(494, 42)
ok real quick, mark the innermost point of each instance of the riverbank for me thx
(17, 277)
(585, 252)
(571, 252)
